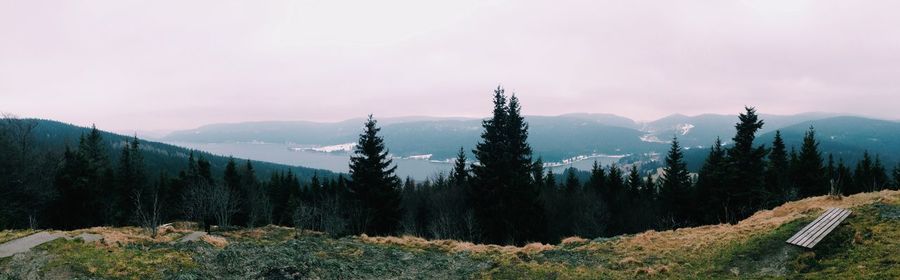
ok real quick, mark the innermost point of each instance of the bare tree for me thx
(148, 213)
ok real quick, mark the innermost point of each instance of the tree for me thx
(675, 188)
(460, 174)
(374, 185)
(504, 195)
(811, 180)
(746, 182)
(131, 180)
(869, 175)
(598, 179)
(896, 174)
(572, 183)
(777, 185)
(711, 196)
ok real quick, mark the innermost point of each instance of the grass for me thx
(133, 261)
(8, 235)
(864, 247)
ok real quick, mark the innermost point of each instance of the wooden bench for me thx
(814, 232)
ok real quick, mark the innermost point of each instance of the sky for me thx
(162, 65)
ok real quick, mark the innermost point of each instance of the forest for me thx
(501, 196)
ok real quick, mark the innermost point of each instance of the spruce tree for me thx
(746, 182)
(131, 182)
(864, 175)
(711, 196)
(811, 179)
(843, 177)
(572, 183)
(459, 176)
(675, 187)
(880, 179)
(896, 174)
(373, 184)
(777, 185)
(598, 179)
(504, 194)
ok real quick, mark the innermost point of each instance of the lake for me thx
(340, 161)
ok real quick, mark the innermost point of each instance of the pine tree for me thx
(459, 176)
(614, 191)
(880, 179)
(598, 179)
(710, 192)
(843, 177)
(503, 192)
(572, 184)
(810, 172)
(896, 174)
(232, 180)
(374, 185)
(746, 182)
(863, 176)
(675, 187)
(777, 173)
(131, 183)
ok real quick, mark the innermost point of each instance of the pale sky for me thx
(154, 65)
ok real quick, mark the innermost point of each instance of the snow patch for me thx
(348, 147)
(419, 157)
(684, 128)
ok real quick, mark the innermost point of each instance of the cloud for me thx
(176, 64)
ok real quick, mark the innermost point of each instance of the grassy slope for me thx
(863, 247)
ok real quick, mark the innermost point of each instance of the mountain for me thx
(847, 137)
(53, 137)
(553, 138)
(702, 130)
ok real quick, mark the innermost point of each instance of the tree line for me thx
(502, 196)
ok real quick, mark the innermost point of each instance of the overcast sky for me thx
(152, 65)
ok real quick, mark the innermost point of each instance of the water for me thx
(340, 161)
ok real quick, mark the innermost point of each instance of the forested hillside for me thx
(56, 175)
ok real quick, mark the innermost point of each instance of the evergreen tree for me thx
(460, 174)
(843, 177)
(598, 179)
(504, 194)
(777, 185)
(896, 174)
(675, 187)
(711, 196)
(614, 191)
(572, 184)
(746, 182)
(880, 179)
(810, 172)
(864, 177)
(373, 184)
(131, 182)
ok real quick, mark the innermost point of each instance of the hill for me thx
(847, 137)
(553, 138)
(863, 247)
(53, 137)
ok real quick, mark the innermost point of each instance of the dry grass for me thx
(453, 245)
(699, 239)
(574, 240)
(125, 235)
(215, 240)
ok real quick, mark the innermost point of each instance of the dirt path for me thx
(26, 243)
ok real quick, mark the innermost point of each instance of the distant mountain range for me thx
(555, 138)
